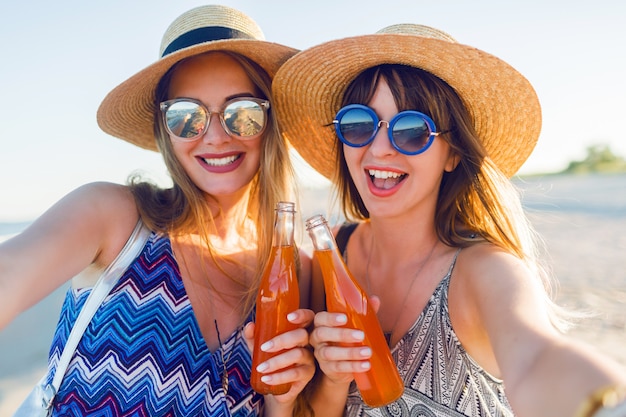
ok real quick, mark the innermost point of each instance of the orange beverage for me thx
(278, 296)
(381, 384)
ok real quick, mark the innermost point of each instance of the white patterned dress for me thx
(440, 378)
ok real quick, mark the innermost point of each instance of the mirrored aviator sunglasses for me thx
(187, 119)
(410, 132)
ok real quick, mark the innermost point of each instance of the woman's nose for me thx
(381, 145)
(215, 133)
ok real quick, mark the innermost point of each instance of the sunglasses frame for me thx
(165, 105)
(390, 124)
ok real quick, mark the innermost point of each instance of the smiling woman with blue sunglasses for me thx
(419, 134)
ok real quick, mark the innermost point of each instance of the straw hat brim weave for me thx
(127, 112)
(309, 87)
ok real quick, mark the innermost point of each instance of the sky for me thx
(60, 58)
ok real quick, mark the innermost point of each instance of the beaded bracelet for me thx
(609, 401)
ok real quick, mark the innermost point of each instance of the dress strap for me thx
(456, 254)
(343, 235)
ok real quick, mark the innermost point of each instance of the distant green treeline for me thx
(599, 159)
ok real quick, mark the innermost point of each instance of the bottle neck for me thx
(284, 224)
(320, 233)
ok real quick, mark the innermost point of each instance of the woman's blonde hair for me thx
(476, 201)
(184, 209)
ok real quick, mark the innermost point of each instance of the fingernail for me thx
(262, 367)
(358, 335)
(267, 346)
(266, 378)
(366, 352)
(292, 316)
(341, 319)
(364, 365)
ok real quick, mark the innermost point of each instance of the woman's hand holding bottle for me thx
(329, 338)
(294, 364)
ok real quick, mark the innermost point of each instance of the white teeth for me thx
(220, 161)
(384, 174)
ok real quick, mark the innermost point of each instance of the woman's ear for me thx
(452, 161)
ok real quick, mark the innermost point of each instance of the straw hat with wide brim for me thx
(308, 91)
(127, 112)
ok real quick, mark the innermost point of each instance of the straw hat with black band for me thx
(127, 112)
(309, 88)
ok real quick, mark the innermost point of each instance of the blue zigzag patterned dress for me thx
(143, 353)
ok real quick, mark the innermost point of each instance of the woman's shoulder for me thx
(96, 204)
(107, 201)
(485, 266)
(483, 254)
(103, 209)
(103, 190)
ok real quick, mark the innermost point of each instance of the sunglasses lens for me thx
(411, 133)
(185, 119)
(245, 118)
(356, 127)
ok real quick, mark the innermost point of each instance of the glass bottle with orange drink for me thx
(381, 384)
(278, 295)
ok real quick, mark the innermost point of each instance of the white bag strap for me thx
(103, 286)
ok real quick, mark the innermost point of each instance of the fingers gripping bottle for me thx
(278, 295)
(382, 384)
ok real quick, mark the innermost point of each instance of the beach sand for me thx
(587, 254)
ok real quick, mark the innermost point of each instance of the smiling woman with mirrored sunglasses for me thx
(178, 321)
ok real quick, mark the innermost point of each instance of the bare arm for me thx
(88, 226)
(499, 309)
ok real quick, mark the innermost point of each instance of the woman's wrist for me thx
(608, 401)
(333, 384)
(274, 408)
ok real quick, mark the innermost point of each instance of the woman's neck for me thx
(401, 238)
(231, 219)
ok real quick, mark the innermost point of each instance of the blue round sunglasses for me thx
(410, 132)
